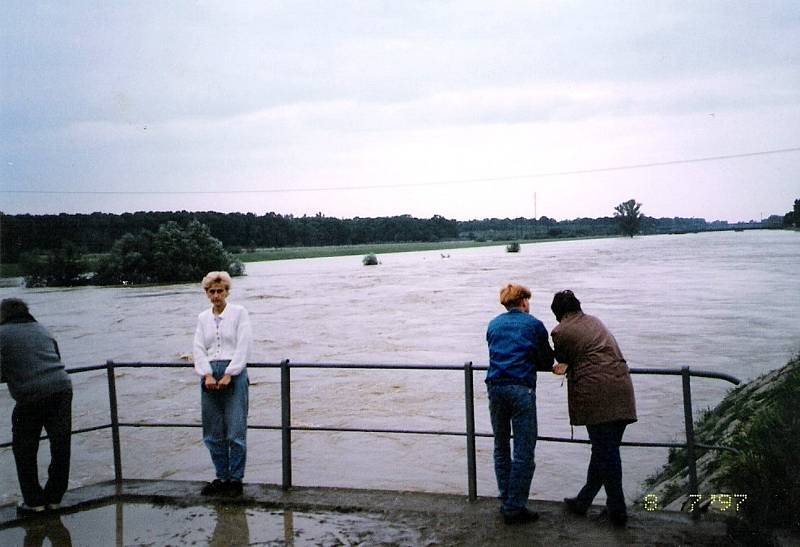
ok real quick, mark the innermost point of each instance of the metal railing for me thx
(468, 368)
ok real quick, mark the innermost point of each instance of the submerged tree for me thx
(628, 217)
(64, 267)
(173, 254)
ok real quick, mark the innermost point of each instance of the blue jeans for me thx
(225, 423)
(513, 407)
(605, 467)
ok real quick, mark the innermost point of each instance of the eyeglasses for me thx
(216, 291)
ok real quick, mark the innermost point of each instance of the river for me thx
(724, 302)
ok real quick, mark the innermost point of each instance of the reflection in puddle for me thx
(216, 525)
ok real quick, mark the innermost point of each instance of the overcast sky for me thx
(464, 109)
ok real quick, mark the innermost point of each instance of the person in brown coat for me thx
(600, 396)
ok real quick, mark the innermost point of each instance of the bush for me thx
(64, 267)
(171, 255)
(767, 468)
(236, 268)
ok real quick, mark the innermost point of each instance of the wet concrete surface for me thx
(146, 512)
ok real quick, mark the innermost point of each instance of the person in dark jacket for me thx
(600, 396)
(518, 347)
(30, 364)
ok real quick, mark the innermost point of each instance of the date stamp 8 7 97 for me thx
(721, 502)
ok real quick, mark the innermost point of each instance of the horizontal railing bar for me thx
(88, 368)
(388, 431)
(692, 372)
(159, 424)
(84, 430)
(490, 435)
(420, 432)
(94, 428)
(365, 430)
(377, 366)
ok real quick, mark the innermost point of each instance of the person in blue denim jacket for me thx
(519, 346)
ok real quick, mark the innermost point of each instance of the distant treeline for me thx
(97, 232)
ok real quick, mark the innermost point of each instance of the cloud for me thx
(251, 95)
(540, 103)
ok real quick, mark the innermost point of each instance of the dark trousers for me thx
(52, 529)
(54, 414)
(605, 467)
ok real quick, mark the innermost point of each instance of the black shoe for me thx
(215, 488)
(618, 520)
(574, 507)
(235, 489)
(520, 517)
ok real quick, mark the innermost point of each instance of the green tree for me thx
(63, 267)
(186, 254)
(129, 261)
(628, 217)
(171, 255)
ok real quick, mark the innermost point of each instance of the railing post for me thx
(470, 416)
(690, 456)
(112, 405)
(286, 425)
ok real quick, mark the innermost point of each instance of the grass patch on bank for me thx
(288, 253)
(761, 421)
(767, 468)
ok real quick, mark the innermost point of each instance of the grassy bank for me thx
(286, 253)
(761, 421)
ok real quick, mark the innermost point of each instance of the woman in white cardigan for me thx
(221, 344)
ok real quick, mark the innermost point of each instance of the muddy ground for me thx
(173, 513)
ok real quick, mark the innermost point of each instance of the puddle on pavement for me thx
(147, 524)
